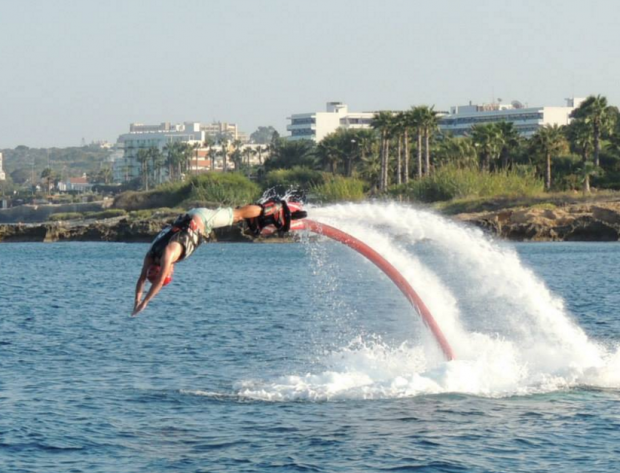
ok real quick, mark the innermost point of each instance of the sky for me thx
(86, 69)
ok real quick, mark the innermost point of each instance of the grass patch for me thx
(449, 183)
(65, 216)
(108, 213)
(339, 189)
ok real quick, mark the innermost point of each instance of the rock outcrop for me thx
(579, 222)
(113, 230)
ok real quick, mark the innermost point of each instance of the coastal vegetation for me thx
(404, 156)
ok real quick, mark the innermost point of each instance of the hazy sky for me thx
(73, 69)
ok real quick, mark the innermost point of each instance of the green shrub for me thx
(212, 189)
(299, 177)
(449, 182)
(66, 216)
(338, 189)
(227, 189)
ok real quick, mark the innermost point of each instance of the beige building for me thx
(217, 130)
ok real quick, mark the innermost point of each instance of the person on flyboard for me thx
(178, 241)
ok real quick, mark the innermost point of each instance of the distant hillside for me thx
(64, 161)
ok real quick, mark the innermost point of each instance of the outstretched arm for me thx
(165, 264)
(141, 280)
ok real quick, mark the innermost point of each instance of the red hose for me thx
(391, 272)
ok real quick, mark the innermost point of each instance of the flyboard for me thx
(384, 265)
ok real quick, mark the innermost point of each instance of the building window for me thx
(303, 121)
(302, 132)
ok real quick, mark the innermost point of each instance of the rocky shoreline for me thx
(109, 230)
(571, 222)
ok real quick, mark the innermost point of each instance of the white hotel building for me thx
(151, 136)
(526, 119)
(317, 125)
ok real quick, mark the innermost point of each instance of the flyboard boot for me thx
(277, 216)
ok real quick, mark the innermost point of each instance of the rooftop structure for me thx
(526, 119)
(317, 125)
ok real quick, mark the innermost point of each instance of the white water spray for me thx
(511, 335)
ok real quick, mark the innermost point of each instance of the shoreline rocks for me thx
(573, 222)
(579, 222)
(109, 230)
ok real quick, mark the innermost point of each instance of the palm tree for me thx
(595, 112)
(488, 142)
(329, 152)
(236, 155)
(143, 158)
(157, 160)
(370, 169)
(289, 154)
(248, 152)
(173, 156)
(260, 149)
(549, 141)
(511, 141)
(212, 154)
(224, 153)
(383, 123)
(579, 135)
(416, 121)
(430, 124)
(410, 123)
(365, 140)
(459, 151)
(399, 128)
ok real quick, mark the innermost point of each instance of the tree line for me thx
(407, 145)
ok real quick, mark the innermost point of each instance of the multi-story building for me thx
(317, 125)
(2, 174)
(219, 130)
(526, 119)
(151, 136)
(126, 166)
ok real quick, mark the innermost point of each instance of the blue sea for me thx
(304, 357)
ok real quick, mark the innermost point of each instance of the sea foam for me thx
(510, 333)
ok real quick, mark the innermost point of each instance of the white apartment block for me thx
(151, 136)
(526, 119)
(317, 125)
(2, 174)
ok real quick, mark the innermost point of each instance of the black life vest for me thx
(184, 231)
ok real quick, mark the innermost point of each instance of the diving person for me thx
(178, 241)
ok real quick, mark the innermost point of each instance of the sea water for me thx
(305, 357)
